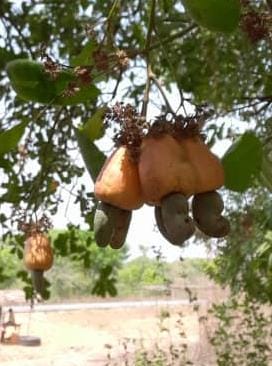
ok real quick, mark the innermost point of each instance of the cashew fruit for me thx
(118, 182)
(103, 224)
(175, 164)
(175, 219)
(216, 15)
(207, 208)
(38, 253)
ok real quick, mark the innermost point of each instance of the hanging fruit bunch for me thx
(38, 254)
(161, 164)
(174, 165)
(117, 186)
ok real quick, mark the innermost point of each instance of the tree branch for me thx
(172, 37)
(159, 86)
(136, 52)
(147, 51)
(20, 33)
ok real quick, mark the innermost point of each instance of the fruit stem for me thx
(151, 24)
(159, 86)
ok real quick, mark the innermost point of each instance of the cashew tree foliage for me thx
(63, 66)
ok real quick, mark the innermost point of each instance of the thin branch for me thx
(20, 33)
(112, 10)
(147, 91)
(136, 52)
(173, 70)
(151, 24)
(171, 38)
(159, 86)
(44, 168)
(117, 84)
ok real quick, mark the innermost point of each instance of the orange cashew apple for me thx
(118, 181)
(177, 165)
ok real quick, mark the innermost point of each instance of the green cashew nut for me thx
(207, 208)
(121, 223)
(38, 280)
(160, 224)
(111, 225)
(176, 221)
(103, 224)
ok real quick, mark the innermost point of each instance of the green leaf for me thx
(216, 15)
(5, 57)
(9, 139)
(242, 162)
(86, 93)
(84, 58)
(31, 82)
(269, 263)
(265, 177)
(92, 156)
(94, 128)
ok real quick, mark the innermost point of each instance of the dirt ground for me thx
(90, 337)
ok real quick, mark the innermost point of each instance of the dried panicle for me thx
(122, 59)
(255, 25)
(129, 127)
(71, 90)
(51, 67)
(178, 127)
(101, 60)
(83, 73)
(23, 151)
(90, 32)
(29, 227)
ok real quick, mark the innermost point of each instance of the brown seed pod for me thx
(207, 208)
(175, 217)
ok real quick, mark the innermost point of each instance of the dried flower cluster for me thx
(83, 73)
(178, 127)
(29, 227)
(130, 127)
(255, 25)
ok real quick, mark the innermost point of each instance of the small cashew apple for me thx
(207, 208)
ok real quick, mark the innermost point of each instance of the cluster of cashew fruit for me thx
(176, 225)
(168, 171)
